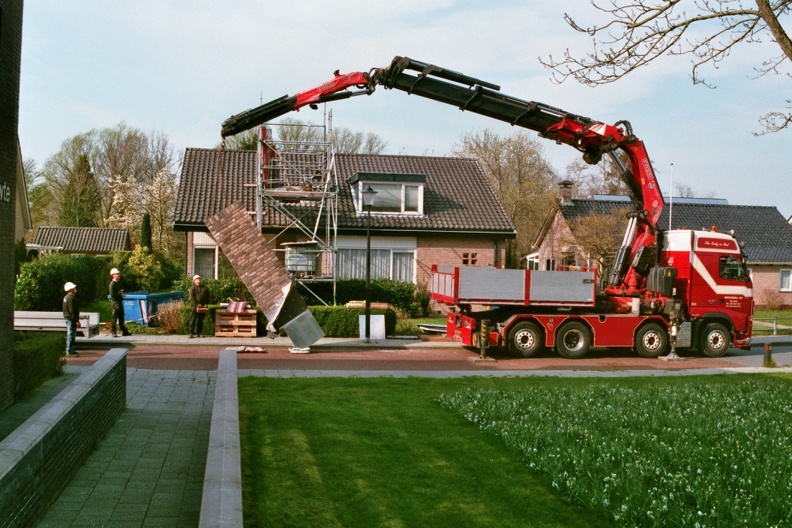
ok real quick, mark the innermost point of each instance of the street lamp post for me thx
(368, 201)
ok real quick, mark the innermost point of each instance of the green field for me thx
(693, 451)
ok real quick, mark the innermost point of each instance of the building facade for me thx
(428, 210)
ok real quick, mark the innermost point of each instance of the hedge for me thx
(40, 283)
(38, 356)
(340, 321)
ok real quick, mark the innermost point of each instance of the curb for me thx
(221, 504)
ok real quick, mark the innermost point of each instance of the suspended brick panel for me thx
(264, 275)
(249, 253)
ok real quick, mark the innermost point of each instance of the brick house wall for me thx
(556, 243)
(450, 251)
(10, 59)
(767, 284)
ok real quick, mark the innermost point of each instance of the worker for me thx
(71, 314)
(199, 298)
(117, 302)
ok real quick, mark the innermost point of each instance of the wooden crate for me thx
(228, 324)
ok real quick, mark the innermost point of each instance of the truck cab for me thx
(712, 280)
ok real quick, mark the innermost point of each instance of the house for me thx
(23, 222)
(87, 241)
(764, 232)
(428, 210)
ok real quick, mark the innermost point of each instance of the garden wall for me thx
(39, 459)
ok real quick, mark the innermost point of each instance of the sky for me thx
(181, 67)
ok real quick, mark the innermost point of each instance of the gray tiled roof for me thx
(763, 229)
(457, 196)
(95, 240)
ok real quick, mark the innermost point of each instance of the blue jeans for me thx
(71, 336)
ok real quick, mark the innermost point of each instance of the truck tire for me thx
(715, 340)
(573, 340)
(525, 340)
(651, 340)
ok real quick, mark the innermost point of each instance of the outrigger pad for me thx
(259, 268)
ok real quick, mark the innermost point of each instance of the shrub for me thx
(38, 356)
(40, 282)
(143, 269)
(340, 321)
(169, 316)
(772, 299)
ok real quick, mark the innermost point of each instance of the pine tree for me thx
(145, 232)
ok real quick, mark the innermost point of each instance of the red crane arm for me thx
(592, 138)
(332, 90)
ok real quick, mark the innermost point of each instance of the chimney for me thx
(565, 188)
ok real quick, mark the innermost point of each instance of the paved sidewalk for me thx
(149, 470)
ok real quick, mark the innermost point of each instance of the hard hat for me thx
(114, 271)
(69, 286)
(196, 277)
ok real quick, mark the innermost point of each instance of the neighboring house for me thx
(23, 221)
(764, 232)
(88, 241)
(428, 210)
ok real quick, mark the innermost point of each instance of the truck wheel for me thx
(715, 340)
(651, 340)
(525, 340)
(573, 340)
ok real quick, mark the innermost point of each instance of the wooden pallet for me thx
(230, 324)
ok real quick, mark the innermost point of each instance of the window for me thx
(396, 193)
(385, 264)
(204, 262)
(469, 259)
(786, 280)
(550, 264)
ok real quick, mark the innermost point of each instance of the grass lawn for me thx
(382, 452)
(764, 319)
(516, 452)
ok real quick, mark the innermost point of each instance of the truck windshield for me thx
(732, 268)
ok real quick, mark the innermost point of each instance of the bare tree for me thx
(685, 190)
(602, 178)
(523, 180)
(300, 135)
(599, 236)
(247, 140)
(158, 199)
(347, 142)
(637, 32)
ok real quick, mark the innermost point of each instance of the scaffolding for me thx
(297, 189)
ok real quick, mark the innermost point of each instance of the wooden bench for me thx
(54, 322)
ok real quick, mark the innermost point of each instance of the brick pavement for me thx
(149, 470)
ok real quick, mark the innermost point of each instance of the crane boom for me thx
(592, 138)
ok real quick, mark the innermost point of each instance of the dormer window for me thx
(396, 193)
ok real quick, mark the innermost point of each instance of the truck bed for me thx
(467, 285)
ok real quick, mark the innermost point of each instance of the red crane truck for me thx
(683, 288)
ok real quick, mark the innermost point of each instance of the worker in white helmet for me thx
(117, 301)
(71, 314)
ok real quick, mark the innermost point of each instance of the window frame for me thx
(788, 274)
(402, 185)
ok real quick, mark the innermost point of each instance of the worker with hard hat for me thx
(71, 314)
(198, 295)
(117, 301)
